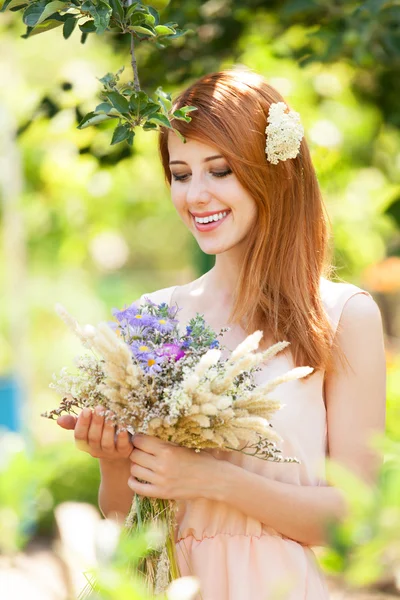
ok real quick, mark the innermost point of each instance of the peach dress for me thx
(235, 556)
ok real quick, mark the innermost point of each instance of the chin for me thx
(214, 249)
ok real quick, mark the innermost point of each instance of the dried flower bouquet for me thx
(152, 379)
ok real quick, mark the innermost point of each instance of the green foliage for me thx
(133, 109)
(34, 483)
(128, 104)
(365, 546)
(98, 17)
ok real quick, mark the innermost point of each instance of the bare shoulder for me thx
(360, 312)
(176, 294)
(360, 335)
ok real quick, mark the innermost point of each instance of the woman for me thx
(250, 196)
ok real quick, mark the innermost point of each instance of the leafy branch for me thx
(126, 103)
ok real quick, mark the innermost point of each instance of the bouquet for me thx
(153, 379)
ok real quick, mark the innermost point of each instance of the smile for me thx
(210, 222)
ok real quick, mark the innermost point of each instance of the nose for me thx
(197, 193)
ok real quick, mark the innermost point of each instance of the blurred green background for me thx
(91, 226)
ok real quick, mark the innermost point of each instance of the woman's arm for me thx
(115, 496)
(355, 402)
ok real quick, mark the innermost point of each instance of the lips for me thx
(210, 226)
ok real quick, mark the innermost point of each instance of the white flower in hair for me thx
(284, 133)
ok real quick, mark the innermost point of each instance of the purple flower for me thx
(152, 364)
(162, 325)
(125, 315)
(132, 316)
(141, 350)
(146, 357)
(214, 344)
(172, 350)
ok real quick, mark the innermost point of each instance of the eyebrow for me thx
(182, 162)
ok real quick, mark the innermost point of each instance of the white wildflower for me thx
(296, 373)
(248, 345)
(190, 383)
(84, 334)
(284, 133)
(209, 359)
(273, 350)
(208, 409)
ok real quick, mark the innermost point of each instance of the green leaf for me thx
(181, 113)
(119, 102)
(84, 37)
(160, 119)
(4, 4)
(149, 20)
(132, 9)
(56, 21)
(163, 30)
(33, 12)
(164, 99)
(92, 119)
(69, 27)
(180, 136)
(150, 109)
(120, 134)
(117, 10)
(101, 13)
(88, 27)
(144, 29)
(138, 101)
(155, 14)
(51, 8)
(104, 107)
(147, 126)
(109, 79)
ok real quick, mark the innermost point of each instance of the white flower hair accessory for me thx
(284, 133)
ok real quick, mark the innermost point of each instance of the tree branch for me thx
(136, 82)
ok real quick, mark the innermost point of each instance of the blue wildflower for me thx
(214, 344)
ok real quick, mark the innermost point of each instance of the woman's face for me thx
(209, 199)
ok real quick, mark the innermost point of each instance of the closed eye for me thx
(218, 174)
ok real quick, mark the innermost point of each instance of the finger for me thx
(96, 428)
(123, 442)
(143, 459)
(81, 430)
(82, 424)
(143, 489)
(148, 443)
(139, 472)
(67, 421)
(108, 437)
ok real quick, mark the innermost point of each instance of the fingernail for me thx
(86, 413)
(100, 411)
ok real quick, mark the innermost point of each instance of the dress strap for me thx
(159, 296)
(334, 296)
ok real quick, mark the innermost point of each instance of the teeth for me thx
(211, 218)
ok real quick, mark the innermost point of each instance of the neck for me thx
(223, 277)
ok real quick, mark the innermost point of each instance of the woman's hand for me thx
(97, 435)
(172, 472)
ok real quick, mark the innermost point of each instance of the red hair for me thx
(278, 289)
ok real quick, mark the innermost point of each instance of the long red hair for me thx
(278, 289)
